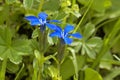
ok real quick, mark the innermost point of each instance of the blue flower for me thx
(41, 21)
(64, 34)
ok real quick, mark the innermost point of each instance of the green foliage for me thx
(49, 5)
(30, 55)
(91, 74)
(70, 66)
(10, 1)
(12, 49)
(28, 4)
(97, 5)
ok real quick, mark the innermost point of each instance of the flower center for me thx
(42, 22)
(63, 34)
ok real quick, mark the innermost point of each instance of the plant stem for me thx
(106, 45)
(60, 55)
(3, 69)
(42, 39)
(71, 15)
(40, 5)
(61, 49)
(73, 2)
(108, 21)
(18, 74)
(75, 65)
(90, 4)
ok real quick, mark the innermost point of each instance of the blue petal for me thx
(51, 26)
(76, 35)
(54, 21)
(53, 34)
(33, 20)
(43, 16)
(68, 28)
(58, 29)
(68, 40)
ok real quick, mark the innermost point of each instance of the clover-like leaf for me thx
(88, 30)
(95, 43)
(12, 49)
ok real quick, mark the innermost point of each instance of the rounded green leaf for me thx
(91, 74)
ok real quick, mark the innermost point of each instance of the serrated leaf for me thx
(5, 35)
(90, 52)
(88, 30)
(14, 56)
(91, 74)
(12, 68)
(22, 46)
(35, 33)
(95, 43)
(12, 49)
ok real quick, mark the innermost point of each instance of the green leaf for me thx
(91, 74)
(10, 1)
(88, 30)
(52, 5)
(114, 10)
(90, 52)
(22, 46)
(12, 49)
(28, 4)
(12, 68)
(95, 43)
(116, 47)
(113, 73)
(14, 56)
(53, 72)
(35, 33)
(67, 68)
(4, 14)
(103, 63)
(98, 5)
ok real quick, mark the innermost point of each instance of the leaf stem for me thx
(3, 69)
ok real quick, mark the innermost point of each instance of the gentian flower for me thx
(41, 21)
(64, 34)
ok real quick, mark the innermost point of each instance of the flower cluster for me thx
(58, 32)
